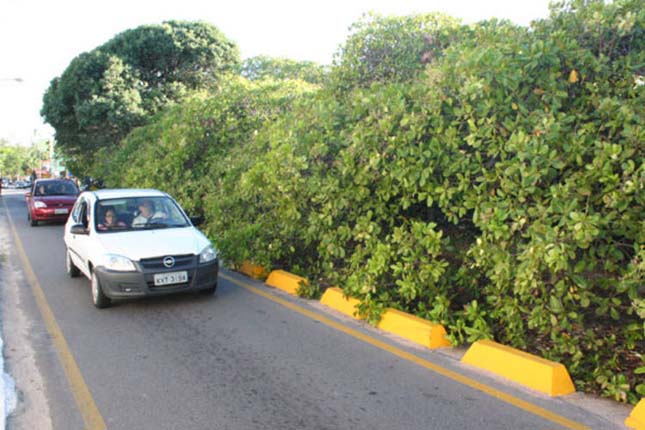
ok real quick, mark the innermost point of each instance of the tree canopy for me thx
(18, 160)
(262, 67)
(105, 93)
(391, 48)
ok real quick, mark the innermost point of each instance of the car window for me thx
(55, 188)
(40, 189)
(124, 214)
(76, 211)
(88, 212)
(84, 217)
(67, 188)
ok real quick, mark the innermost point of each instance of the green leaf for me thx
(555, 305)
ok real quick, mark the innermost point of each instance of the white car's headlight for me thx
(40, 205)
(208, 254)
(118, 263)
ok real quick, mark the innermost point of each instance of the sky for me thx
(39, 38)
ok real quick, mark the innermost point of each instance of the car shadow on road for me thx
(50, 224)
(181, 298)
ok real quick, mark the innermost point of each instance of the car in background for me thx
(135, 243)
(50, 200)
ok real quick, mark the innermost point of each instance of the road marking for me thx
(84, 400)
(519, 403)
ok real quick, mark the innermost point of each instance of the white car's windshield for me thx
(138, 213)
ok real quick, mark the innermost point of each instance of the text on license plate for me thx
(61, 211)
(171, 278)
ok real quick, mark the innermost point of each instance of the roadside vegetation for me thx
(17, 161)
(488, 177)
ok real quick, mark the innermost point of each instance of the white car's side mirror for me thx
(78, 229)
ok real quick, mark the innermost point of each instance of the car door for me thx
(79, 244)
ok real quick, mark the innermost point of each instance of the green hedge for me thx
(186, 149)
(498, 190)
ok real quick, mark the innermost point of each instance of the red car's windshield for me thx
(55, 188)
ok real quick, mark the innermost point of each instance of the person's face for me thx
(145, 209)
(109, 217)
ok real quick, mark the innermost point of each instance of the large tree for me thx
(262, 67)
(105, 93)
(18, 160)
(392, 48)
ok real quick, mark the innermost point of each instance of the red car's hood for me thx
(56, 200)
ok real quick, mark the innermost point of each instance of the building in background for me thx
(51, 167)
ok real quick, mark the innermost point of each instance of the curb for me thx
(414, 328)
(334, 298)
(526, 369)
(285, 281)
(393, 321)
(253, 270)
(636, 419)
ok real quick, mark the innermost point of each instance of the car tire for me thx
(99, 299)
(33, 222)
(72, 270)
(209, 291)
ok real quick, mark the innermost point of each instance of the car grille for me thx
(181, 261)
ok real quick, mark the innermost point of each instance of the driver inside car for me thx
(147, 213)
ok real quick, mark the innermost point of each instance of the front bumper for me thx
(49, 214)
(117, 285)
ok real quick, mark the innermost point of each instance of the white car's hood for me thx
(136, 245)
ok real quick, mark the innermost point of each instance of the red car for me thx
(50, 200)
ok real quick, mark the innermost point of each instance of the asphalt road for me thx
(237, 360)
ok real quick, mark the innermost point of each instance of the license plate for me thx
(61, 211)
(170, 278)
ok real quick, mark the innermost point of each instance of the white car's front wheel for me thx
(99, 299)
(72, 270)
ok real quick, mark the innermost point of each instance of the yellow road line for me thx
(86, 405)
(524, 405)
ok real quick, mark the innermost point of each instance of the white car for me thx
(136, 243)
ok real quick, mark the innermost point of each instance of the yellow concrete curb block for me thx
(414, 328)
(534, 372)
(334, 298)
(253, 270)
(393, 321)
(285, 281)
(636, 419)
